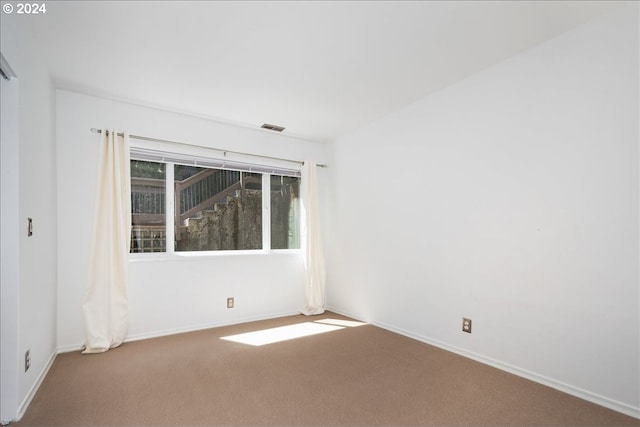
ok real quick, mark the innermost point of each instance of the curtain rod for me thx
(146, 138)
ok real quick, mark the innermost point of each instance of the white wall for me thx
(510, 198)
(34, 260)
(166, 294)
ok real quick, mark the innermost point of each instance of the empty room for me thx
(322, 213)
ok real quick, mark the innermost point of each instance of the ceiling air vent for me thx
(272, 127)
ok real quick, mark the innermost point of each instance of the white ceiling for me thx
(320, 69)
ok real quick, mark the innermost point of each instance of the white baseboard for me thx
(346, 314)
(550, 382)
(181, 330)
(69, 348)
(34, 388)
(200, 327)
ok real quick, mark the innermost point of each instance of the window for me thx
(217, 209)
(210, 209)
(285, 212)
(148, 202)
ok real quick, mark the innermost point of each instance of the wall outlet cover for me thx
(466, 325)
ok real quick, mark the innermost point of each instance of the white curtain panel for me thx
(106, 303)
(312, 242)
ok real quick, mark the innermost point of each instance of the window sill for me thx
(179, 256)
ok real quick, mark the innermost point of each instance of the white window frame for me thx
(168, 158)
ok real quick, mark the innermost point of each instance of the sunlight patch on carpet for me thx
(282, 333)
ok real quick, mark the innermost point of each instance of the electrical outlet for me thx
(230, 302)
(466, 325)
(27, 360)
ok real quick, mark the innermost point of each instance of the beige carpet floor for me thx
(356, 376)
